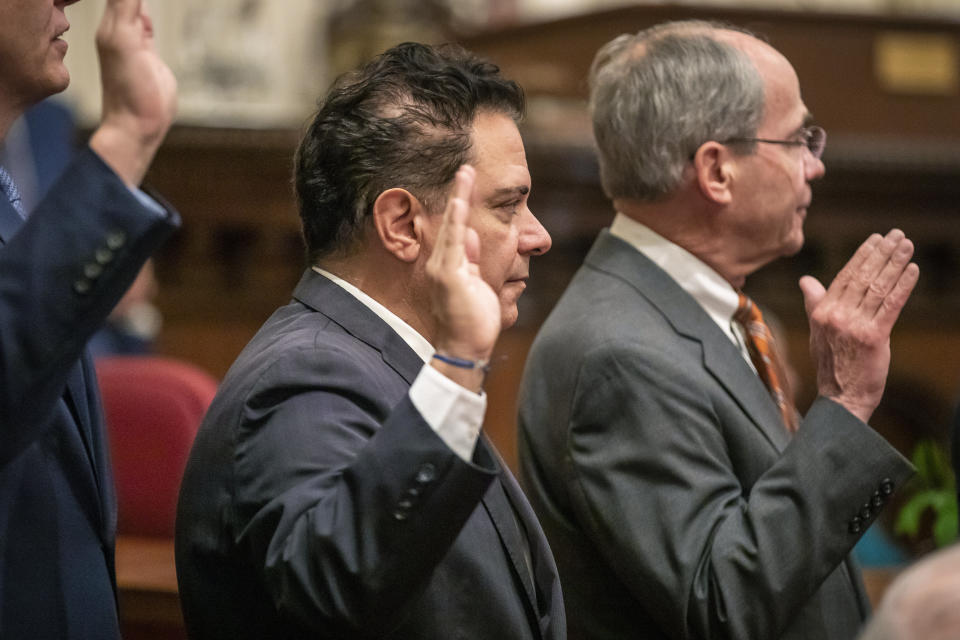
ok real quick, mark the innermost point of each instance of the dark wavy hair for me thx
(402, 120)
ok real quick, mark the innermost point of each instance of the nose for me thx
(813, 167)
(534, 239)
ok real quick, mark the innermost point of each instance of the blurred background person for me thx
(923, 603)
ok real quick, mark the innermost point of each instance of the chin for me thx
(793, 244)
(56, 82)
(508, 315)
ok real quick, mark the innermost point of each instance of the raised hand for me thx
(466, 309)
(850, 323)
(139, 90)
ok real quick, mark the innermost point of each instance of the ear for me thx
(715, 170)
(394, 215)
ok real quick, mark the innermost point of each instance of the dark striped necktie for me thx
(10, 190)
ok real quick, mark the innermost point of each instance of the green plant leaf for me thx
(933, 488)
(908, 520)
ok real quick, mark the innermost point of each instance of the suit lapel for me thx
(546, 598)
(720, 356)
(329, 298)
(506, 521)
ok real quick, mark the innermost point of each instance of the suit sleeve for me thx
(61, 274)
(347, 505)
(652, 478)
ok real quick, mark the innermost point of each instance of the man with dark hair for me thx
(63, 266)
(339, 486)
(682, 493)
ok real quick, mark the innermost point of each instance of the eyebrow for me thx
(503, 192)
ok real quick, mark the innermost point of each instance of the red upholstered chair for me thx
(152, 407)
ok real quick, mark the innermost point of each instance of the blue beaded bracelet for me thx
(483, 365)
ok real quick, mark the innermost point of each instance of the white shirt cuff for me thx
(147, 201)
(453, 412)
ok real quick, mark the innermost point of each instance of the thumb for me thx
(813, 292)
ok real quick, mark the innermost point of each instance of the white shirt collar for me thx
(717, 296)
(410, 335)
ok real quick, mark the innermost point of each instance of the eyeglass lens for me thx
(816, 140)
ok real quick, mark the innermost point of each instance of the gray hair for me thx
(656, 96)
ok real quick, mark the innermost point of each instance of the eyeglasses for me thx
(813, 138)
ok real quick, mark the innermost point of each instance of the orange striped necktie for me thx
(763, 353)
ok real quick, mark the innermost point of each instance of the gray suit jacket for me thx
(676, 503)
(318, 503)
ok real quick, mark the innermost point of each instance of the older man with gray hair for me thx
(683, 494)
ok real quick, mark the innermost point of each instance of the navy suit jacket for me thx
(61, 273)
(317, 502)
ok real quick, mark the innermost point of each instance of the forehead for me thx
(497, 152)
(784, 110)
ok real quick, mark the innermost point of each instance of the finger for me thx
(451, 238)
(840, 281)
(888, 276)
(146, 20)
(862, 278)
(125, 9)
(894, 302)
(813, 292)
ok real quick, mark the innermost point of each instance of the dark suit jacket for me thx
(317, 503)
(674, 499)
(60, 275)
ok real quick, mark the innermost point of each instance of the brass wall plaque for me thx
(912, 63)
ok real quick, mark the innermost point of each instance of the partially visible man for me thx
(923, 603)
(63, 267)
(681, 492)
(339, 486)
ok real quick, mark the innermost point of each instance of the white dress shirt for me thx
(711, 291)
(452, 411)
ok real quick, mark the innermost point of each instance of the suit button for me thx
(886, 487)
(405, 504)
(426, 474)
(103, 255)
(82, 286)
(855, 526)
(116, 239)
(400, 515)
(92, 270)
(877, 502)
(413, 492)
(866, 511)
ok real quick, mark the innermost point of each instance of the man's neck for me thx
(7, 117)
(690, 227)
(389, 285)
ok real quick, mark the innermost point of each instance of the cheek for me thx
(498, 252)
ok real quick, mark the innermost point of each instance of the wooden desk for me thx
(147, 582)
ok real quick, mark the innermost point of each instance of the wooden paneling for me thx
(893, 160)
